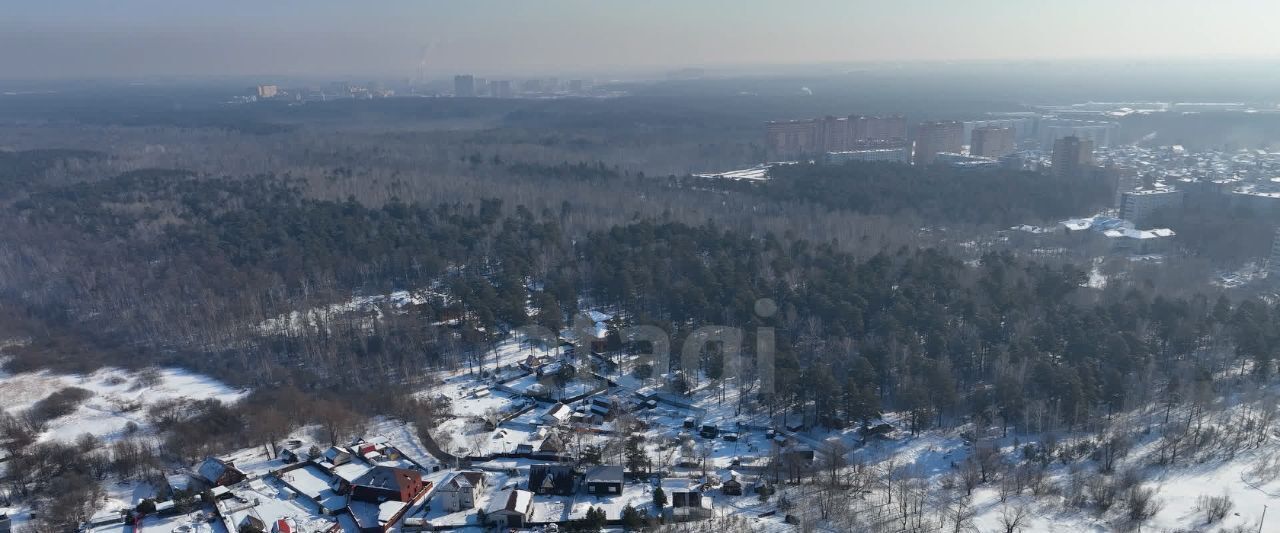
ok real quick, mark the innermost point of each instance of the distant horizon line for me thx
(641, 73)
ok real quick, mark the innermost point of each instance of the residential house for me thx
(461, 491)
(798, 454)
(218, 473)
(551, 479)
(603, 364)
(601, 407)
(604, 480)
(385, 483)
(510, 508)
(375, 449)
(554, 368)
(687, 500)
(175, 484)
(685, 497)
(337, 456)
(554, 443)
(370, 517)
(732, 487)
(534, 362)
(557, 414)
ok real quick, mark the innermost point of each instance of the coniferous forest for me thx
(898, 289)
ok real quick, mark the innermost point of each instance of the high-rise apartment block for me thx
(1072, 156)
(991, 141)
(500, 89)
(1137, 206)
(834, 134)
(1273, 267)
(792, 137)
(1096, 131)
(464, 86)
(933, 138)
(870, 130)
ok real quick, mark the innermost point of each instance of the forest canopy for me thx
(938, 194)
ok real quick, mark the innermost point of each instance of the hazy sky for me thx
(130, 38)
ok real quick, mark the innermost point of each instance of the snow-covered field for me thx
(758, 172)
(119, 397)
(1178, 490)
(1250, 480)
(755, 173)
(369, 307)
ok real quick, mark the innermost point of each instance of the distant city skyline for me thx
(97, 38)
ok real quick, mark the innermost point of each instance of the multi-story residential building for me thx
(1072, 156)
(835, 134)
(500, 89)
(1097, 131)
(1023, 126)
(1137, 206)
(992, 141)
(792, 137)
(899, 154)
(464, 86)
(1273, 266)
(878, 129)
(933, 138)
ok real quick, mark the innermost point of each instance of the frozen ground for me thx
(119, 397)
(758, 172)
(1177, 490)
(1251, 479)
(369, 307)
(1246, 274)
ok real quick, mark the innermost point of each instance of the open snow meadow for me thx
(115, 399)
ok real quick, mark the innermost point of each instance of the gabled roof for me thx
(472, 476)
(386, 477)
(552, 477)
(511, 501)
(553, 443)
(560, 411)
(605, 474)
(463, 480)
(176, 482)
(212, 469)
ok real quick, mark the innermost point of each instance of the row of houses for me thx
(366, 487)
(593, 410)
(514, 507)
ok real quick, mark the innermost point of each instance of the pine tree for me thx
(632, 518)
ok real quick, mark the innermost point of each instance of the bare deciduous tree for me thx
(1013, 517)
